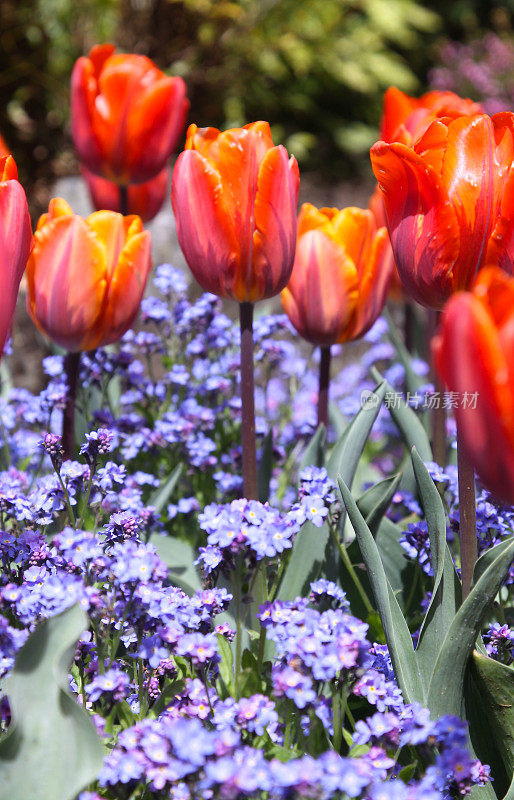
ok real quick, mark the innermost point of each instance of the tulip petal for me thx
(125, 291)
(470, 359)
(375, 275)
(67, 279)
(111, 229)
(15, 243)
(417, 206)
(323, 290)
(204, 228)
(274, 239)
(84, 90)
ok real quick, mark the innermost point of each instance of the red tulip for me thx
(234, 197)
(4, 150)
(449, 202)
(126, 115)
(15, 241)
(406, 118)
(474, 354)
(340, 276)
(143, 199)
(86, 277)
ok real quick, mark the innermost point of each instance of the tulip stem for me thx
(439, 411)
(71, 369)
(467, 516)
(324, 383)
(123, 200)
(250, 486)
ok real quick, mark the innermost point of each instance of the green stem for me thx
(67, 501)
(349, 566)
(467, 516)
(238, 602)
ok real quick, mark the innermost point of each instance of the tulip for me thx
(234, 198)
(143, 199)
(449, 203)
(339, 282)
(15, 241)
(406, 118)
(4, 150)
(126, 115)
(86, 277)
(473, 354)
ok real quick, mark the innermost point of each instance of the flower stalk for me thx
(324, 384)
(71, 369)
(467, 515)
(250, 487)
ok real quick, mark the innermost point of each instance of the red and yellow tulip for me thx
(234, 197)
(473, 353)
(15, 241)
(126, 115)
(449, 203)
(406, 118)
(86, 277)
(340, 276)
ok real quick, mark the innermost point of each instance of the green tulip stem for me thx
(250, 485)
(71, 370)
(467, 516)
(324, 383)
(124, 199)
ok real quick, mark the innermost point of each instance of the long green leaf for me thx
(375, 501)
(447, 592)
(51, 750)
(314, 453)
(305, 561)
(406, 420)
(445, 694)
(395, 627)
(179, 557)
(163, 493)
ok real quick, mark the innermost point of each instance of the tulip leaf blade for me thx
(305, 562)
(446, 593)
(445, 693)
(51, 750)
(406, 420)
(179, 557)
(395, 627)
(164, 492)
(374, 502)
(314, 453)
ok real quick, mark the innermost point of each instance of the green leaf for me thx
(395, 627)
(348, 449)
(179, 557)
(496, 684)
(226, 665)
(314, 453)
(487, 558)
(406, 420)
(51, 750)
(375, 501)
(265, 467)
(447, 592)
(163, 493)
(305, 562)
(445, 694)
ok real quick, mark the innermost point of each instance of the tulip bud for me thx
(341, 274)
(15, 241)
(234, 197)
(473, 353)
(126, 115)
(86, 277)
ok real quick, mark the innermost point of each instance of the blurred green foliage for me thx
(316, 69)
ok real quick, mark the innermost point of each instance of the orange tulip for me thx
(473, 353)
(449, 202)
(143, 199)
(234, 197)
(15, 241)
(126, 115)
(376, 206)
(4, 150)
(340, 276)
(406, 118)
(86, 277)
